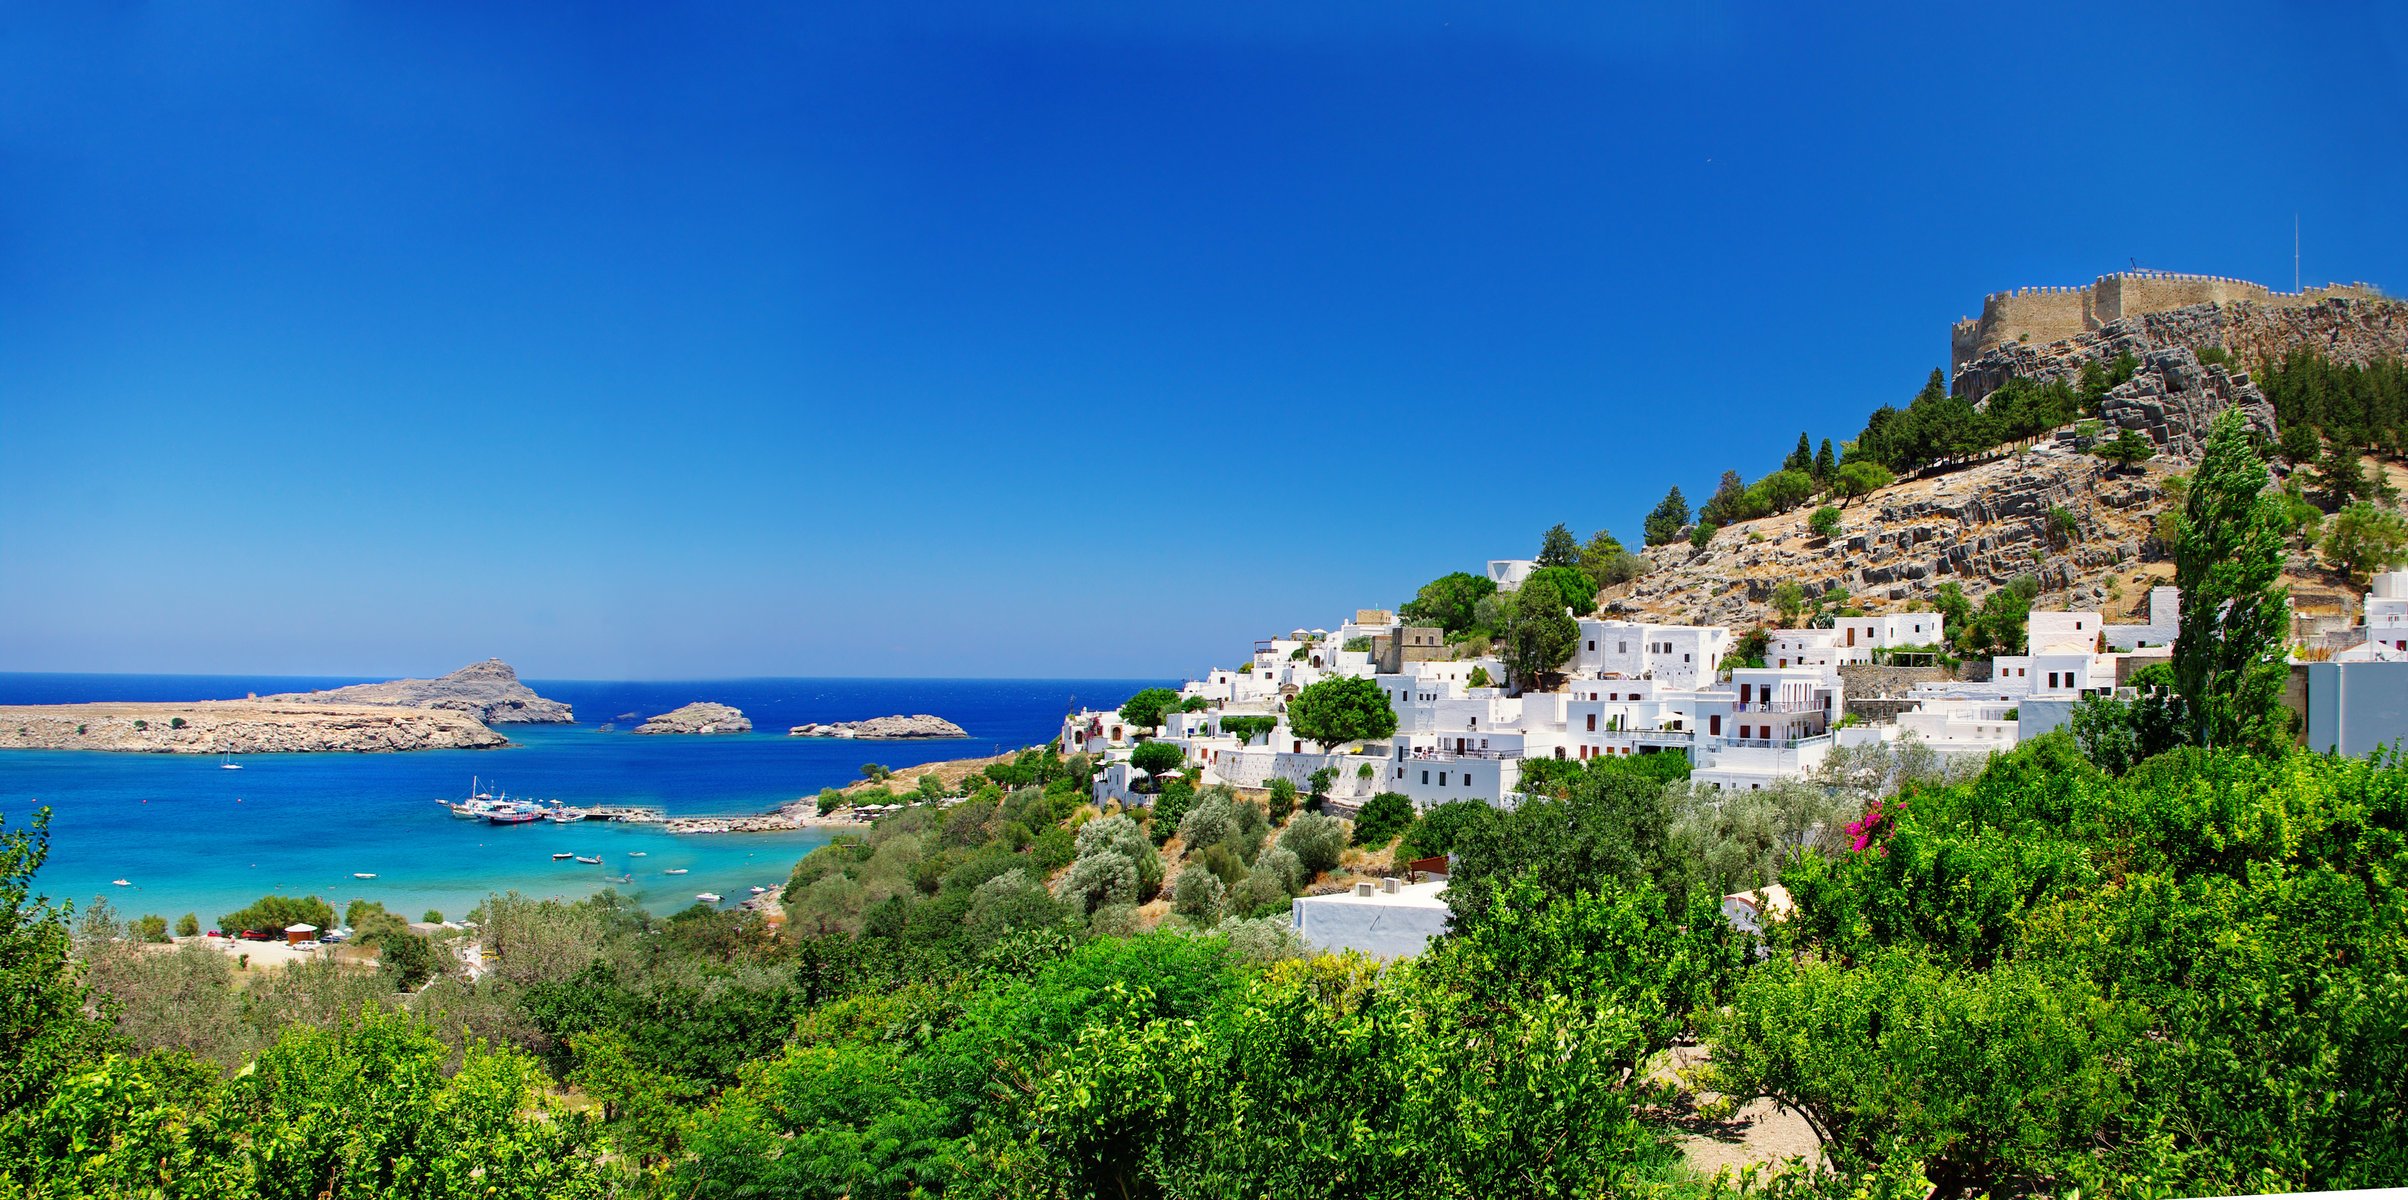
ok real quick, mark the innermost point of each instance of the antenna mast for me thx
(2294, 252)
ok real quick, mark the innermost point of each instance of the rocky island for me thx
(920, 725)
(488, 691)
(699, 717)
(239, 727)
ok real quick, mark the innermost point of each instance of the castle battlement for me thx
(2044, 314)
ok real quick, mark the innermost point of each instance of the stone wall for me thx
(2036, 316)
(1875, 683)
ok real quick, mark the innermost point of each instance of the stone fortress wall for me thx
(2040, 315)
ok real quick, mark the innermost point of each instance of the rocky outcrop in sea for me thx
(702, 716)
(895, 728)
(488, 691)
(240, 727)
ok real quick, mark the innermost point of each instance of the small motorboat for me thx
(589, 861)
(637, 853)
(707, 897)
(122, 882)
(671, 871)
(363, 874)
(563, 816)
(563, 854)
(759, 890)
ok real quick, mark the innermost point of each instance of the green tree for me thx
(2228, 559)
(188, 925)
(1668, 518)
(1728, 502)
(1316, 839)
(1607, 563)
(1789, 599)
(2362, 540)
(1451, 602)
(1825, 464)
(1858, 479)
(1341, 709)
(1579, 592)
(1281, 793)
(1559, 548)
(1145, 710)
(271, 914)
(2341, 475)
(1382, 818)
(1701, 534)
(1825, 522)
(1801, 459)
(1478, 678)
(1154, 758)
(1540, 635)
(2128, 450)
(1245, 729)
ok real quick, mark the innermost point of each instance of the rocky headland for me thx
(488, 691)
(240, 727)
(701, 716)
(919, 725)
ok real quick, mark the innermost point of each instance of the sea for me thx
(187, 835)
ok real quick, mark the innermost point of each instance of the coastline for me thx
(239, 727)
(804, 813)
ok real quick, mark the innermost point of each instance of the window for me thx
(1442, 779)
(1622, 648)
(1592, 645)
(1425, 779)
(1592, 722)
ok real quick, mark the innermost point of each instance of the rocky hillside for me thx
(488, 691)
(2354, 331)
(702, 716)
(239, 727)
(920, 725)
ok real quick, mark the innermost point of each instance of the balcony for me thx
(1774, 743)
(1434, 754)
(1780, 706)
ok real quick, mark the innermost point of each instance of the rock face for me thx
(488, 691)
(920, 725)
(240, 727)
(2173, 397)
(701, 716)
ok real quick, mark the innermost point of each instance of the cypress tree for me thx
(1802, 458)
(1824, 463)
(2228, 561)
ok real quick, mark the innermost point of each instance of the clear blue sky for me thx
(727, 339)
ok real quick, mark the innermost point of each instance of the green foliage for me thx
(1582, 826)
(1451, 602)
(1341, 709)
(1572, 585)
(1144, 710)
(1316, 839)
(1246, 729)
(271, 914)
(1478, 678)
(2063, 528)
(1701, 534)
(1382, 818)
(1154, 758)
(1607, 563)
(2353, 405)
(1825, 522)
(1789, 599)
(1282, 794)
(1540, 635)
(1667, 519)
(2363, 540)
(150, 928)
(1439, 829)
(1826, 466)
(188, 925)
(2228, 559)
(1859, 478)
(175, 722)
(407, 960)
(1559, 548)
(2128, 450)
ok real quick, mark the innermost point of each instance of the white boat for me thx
(227, 763)
(563, 854)
(637, 853)
(707, 897)
(674, 871)
(758, 890)
(363, 874)
(590, 860)
(122, 882)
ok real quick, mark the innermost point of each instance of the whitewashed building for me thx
(1859, 637)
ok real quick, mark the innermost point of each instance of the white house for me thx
(1677, 655)
(1508, 573)
(2165, 621)
(1962, 728)
(1859, 637)
(1803, 648)
(1388, 919)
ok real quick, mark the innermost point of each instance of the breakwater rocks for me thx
(701, 716)
(240, 727)
(919, 725)
(488, 691)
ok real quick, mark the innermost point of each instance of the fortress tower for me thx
(2039, 315)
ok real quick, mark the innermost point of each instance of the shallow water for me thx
(189, 836)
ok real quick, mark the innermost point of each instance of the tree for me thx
(1451, 602)
(1382, 818)
(2129, 449)
(2228, 560)
(1144, 710)
(271, 914)
(1540, 636)
(1315, 839)
(1789, 599)
(2341, 475)
(407, 960)
(1702, 533)
(188, 925)
(1579, 592)
(1558, 548)
(1246, 729)
(1724, 506)
(1801, 459)
(1154, 758)
(1282, 798)
(1825, 522)
(1478, 678)
(1341, 709)
(1667, 520)
(1861, 478)
(2363, 540)
(1824, 463)
(1607, 563)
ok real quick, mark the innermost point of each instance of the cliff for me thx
(699, 717)
(2347, 329)
(884, 728)
(239, 727)
(488, 691)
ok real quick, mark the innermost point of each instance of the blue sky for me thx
(675, 342)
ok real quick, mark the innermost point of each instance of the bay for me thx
(189, 836)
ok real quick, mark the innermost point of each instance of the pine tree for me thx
(1559, 548)
(1668, 519)
(1802, 458)
(1824, 463)
(2228, 561)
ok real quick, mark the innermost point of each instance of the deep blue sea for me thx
(188, 836)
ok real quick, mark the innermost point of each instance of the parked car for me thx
(255, 935)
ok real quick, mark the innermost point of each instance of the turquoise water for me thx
(189, 836)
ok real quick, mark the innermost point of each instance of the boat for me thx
(707, 897)
(758, 889)
(562, 816)
(589, 861)
(363, 874)
(563, 854)
(674, 871)
(227, 763)
(513, 816)
(637, 853)
(122, 882)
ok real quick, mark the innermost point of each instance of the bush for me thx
(875, 772)
(1825, 522)
(1052, 850)
(830, 800)
(149, 927)
(1702, 534)
(188, 925)
(270, 914)
(406, 959)
(1382, 818)
(432, 916)
(175, 723)
(1197, 896)
(1283, 799)
(1316, 840)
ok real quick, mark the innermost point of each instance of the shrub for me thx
(270, 914)
(1316, 840)
(830, 800)
(1825, 522)
(1119, 834)
(875, 772)
(432, 916)
(1702, 534)
(175, 723)
(1439, 828)
(1197, 896)
(1283, 799)
(188, 925)
(1052, 850)
(406, 959)
(1382, 818)
(1100, 880)
(149, 927)
(139, 723)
